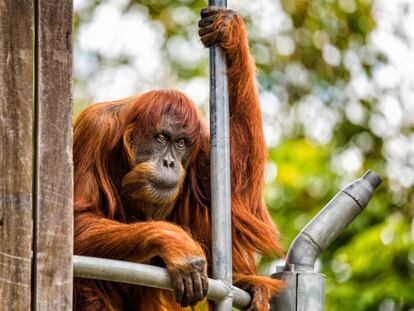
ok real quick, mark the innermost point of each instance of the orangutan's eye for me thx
(181, 143)
(160, 138)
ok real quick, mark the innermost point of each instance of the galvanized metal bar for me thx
(305, 289)
(220, 169)
(151, 276)
(330, 222)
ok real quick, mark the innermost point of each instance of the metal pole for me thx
(220, 170)
(305, 289)
(151, 276)
(330, 222)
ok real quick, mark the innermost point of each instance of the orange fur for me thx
(104, 169)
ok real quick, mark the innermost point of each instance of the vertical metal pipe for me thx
(220, 169)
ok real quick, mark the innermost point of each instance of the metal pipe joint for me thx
(305, 288)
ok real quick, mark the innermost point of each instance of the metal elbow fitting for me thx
(305, 288)
(330, 222)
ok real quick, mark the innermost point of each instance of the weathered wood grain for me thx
(54, 169)
(16, 100)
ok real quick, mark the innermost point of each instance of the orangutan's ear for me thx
(130, 145)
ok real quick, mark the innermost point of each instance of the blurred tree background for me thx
(337, 92)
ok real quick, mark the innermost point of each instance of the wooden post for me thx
(53, 191)
(36, 187)
(16, 93)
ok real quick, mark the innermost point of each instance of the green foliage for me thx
(310, 66)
